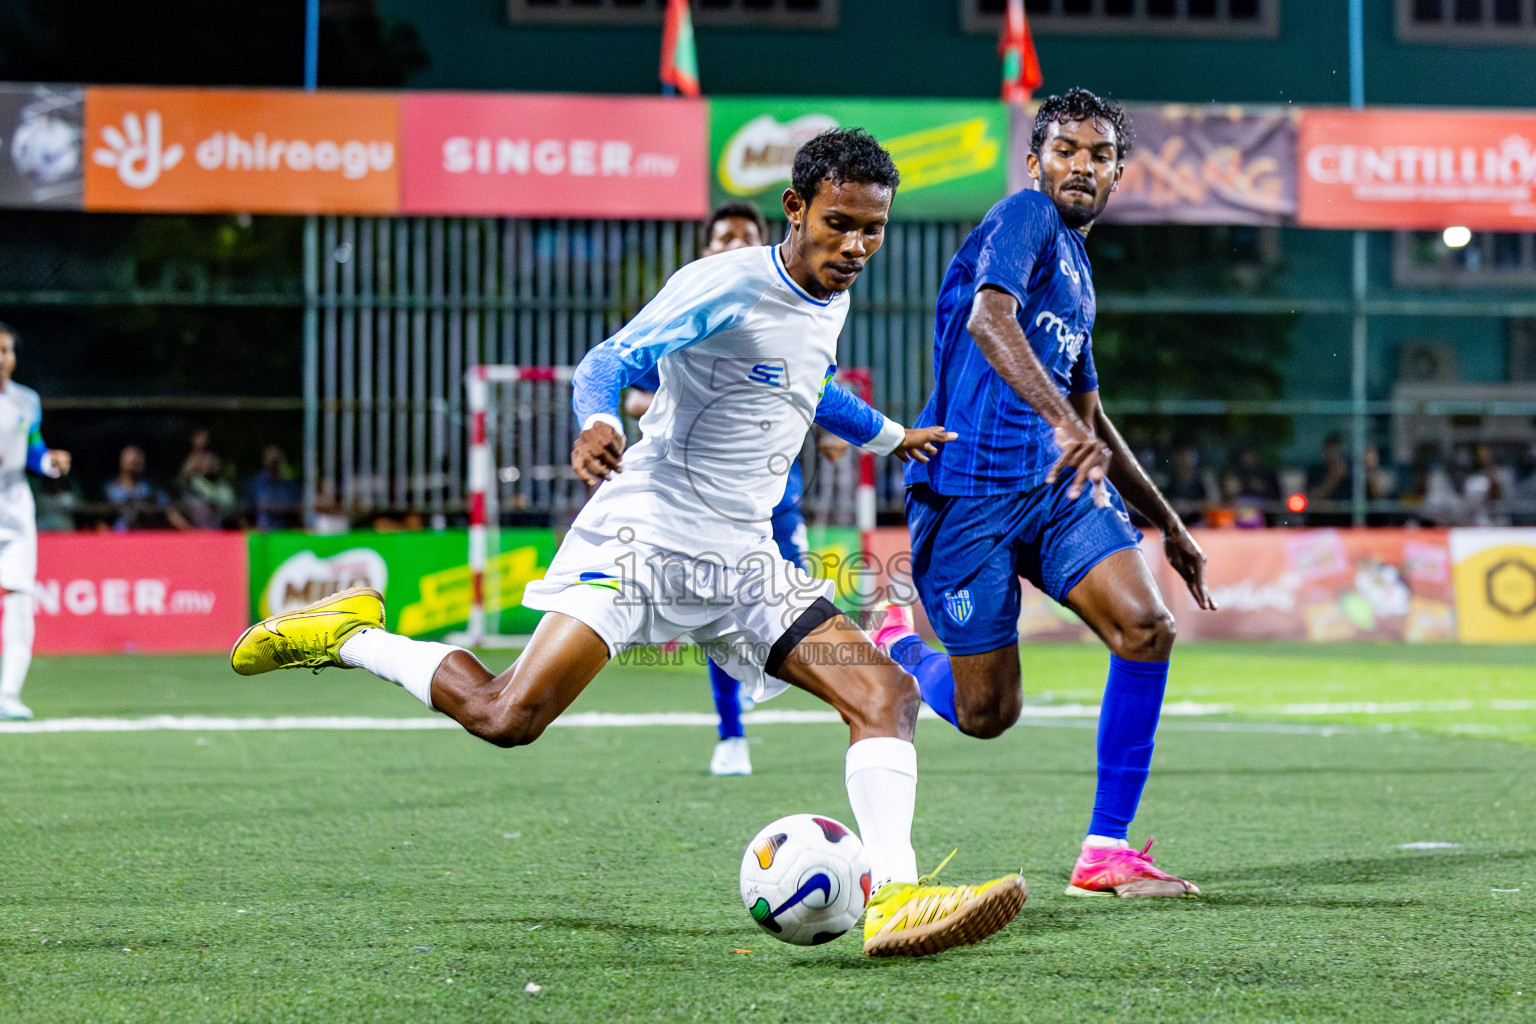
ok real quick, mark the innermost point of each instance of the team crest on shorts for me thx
(958, 606)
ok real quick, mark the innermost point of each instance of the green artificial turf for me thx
(426, 876)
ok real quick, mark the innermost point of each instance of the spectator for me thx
(1256, 481)
(1238, 507)
(272, 493)
(1190, 490)
(206, 498)
(1485, 488)
(1334, 478)
(1524, 490)
(135, 504)
(200, 459)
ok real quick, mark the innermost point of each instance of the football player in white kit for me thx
(675, 542)
(21, 449)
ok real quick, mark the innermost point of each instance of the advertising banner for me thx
(1399, 169)
(1203, 165)
(951, 153)
(1495, 585)
(146, 592)
(1319, 585)
(424, 577)
(256, 151)
(40, 152)
(554, 156)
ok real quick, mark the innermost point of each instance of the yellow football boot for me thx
(907, 919)
(310, 637)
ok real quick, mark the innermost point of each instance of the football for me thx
(805, 879)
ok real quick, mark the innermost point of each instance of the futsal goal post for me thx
(521, 428)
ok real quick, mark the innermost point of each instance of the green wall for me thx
(916, 48)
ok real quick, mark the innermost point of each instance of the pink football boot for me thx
(1110, 872)
(897, 625)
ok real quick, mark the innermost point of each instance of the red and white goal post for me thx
(535, 425)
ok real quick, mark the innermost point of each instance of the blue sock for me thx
(727, 702)
(1133, 698)
(934, 677)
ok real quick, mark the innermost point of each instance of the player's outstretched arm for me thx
(1133, 483)
(994, 324)
(851, 418)
(921, 442)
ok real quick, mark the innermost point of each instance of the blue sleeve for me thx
(701, 300)
(847, 415)
(650, 380)
(1085, 377)
(36, 449)
(1014, 235)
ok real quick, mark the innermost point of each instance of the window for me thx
(1421, 259)
(1467, 21)
(1221, 18)
(807, 14)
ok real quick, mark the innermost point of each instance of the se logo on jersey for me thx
(771, 374)
(726, 374)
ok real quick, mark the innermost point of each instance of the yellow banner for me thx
(1495, 573)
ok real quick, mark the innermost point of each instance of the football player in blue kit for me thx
(1033, 486)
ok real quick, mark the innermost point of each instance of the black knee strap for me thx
(815, 615)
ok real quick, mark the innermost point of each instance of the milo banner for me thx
(1194, 165)
(40, 151)
(951, 153)
(424, 577)
(1495, 585)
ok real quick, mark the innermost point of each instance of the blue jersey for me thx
(1024, 248)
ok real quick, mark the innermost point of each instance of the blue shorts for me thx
(969, 552)
(789, 533)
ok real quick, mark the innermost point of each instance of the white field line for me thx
(1037, 714)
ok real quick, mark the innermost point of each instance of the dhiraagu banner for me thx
(952, 154)
(424, 576)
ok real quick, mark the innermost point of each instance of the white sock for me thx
(881, 774)
(409, 664)
(15, 642)
(1106, 843)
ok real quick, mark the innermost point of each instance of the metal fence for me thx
(399, 308)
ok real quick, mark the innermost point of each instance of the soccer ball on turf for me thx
(805, 879)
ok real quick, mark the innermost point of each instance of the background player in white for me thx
(673, 544)
(21, 449)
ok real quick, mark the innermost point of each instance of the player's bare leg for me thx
(515, 707)
(980, 694)
(1119, 601)
(346, 630)
(879, 702)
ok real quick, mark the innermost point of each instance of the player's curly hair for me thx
(725, 211)
(1078, 104)
(6, 328)
(845, 155)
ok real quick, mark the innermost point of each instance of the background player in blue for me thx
(1033, 485)
(735, 226)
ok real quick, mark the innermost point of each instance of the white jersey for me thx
(21, 414)
(743, 354)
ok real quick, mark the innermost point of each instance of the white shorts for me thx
(18, 561)
(744, 606)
